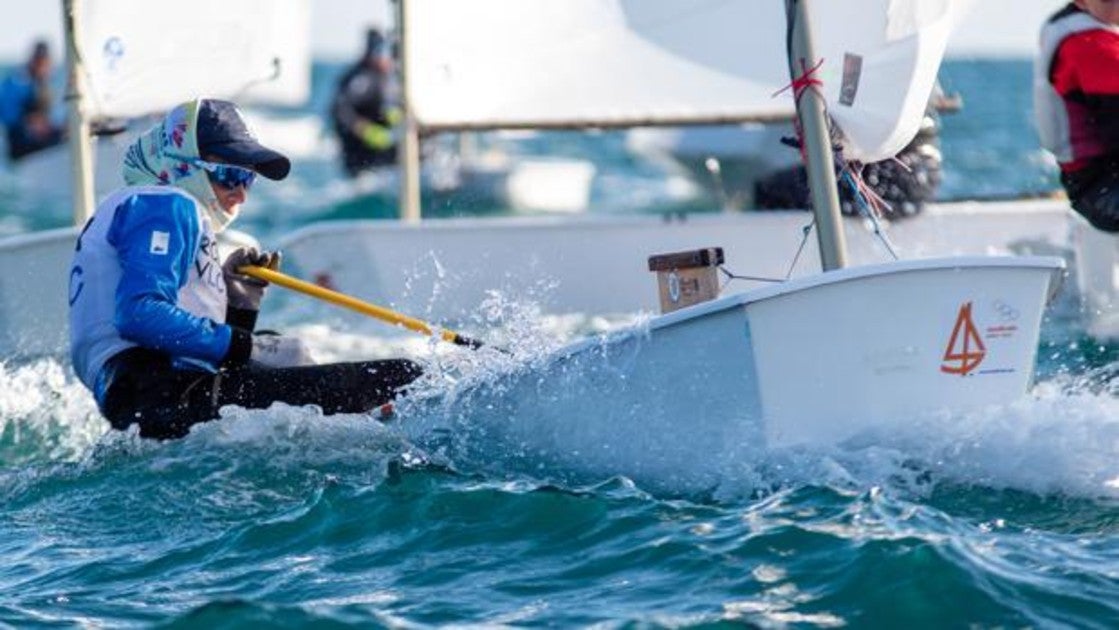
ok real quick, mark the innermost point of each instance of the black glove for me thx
(245, 292)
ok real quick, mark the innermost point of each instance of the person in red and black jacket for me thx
(1076, 99)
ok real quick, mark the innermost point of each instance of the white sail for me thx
(880, 59)
(142, 56)
(494, 63)
(631, 62)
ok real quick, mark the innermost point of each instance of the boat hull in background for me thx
(46, 174)
(596, 264)
(444, 269)
(34, 291)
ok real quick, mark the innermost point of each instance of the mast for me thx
(821, 168)
(81, 158)
(410, 142)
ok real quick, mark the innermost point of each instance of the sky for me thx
(993, 27)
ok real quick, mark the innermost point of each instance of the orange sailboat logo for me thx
(965, 349)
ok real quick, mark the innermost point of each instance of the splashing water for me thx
(44, 414)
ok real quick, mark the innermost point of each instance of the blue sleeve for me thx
(156, 237)
(13, 94)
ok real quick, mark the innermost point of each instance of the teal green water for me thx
(285, 518)
(297, 521)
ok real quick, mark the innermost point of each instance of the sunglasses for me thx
(226, 175)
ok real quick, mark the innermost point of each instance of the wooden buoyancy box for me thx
(687, 278)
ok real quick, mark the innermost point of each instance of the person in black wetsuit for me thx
(365, 110)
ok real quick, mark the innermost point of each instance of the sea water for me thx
(1006, 517)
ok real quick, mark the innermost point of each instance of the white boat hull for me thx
(815, 361)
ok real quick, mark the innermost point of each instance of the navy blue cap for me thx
(222, 132)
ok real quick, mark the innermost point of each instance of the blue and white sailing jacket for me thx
(147, 273)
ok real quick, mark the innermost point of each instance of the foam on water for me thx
(248, 460)
(1050, 442)
(45, 413)
(1047, 444)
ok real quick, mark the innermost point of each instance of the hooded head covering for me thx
(162, 155)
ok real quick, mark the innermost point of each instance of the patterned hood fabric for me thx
(160, 156)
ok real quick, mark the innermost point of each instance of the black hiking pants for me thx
(165, 401)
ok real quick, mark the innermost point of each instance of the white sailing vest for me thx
(1050, 109)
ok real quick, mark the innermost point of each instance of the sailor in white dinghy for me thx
(160, 330)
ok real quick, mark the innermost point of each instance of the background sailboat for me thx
(139, 58)
(583, 63)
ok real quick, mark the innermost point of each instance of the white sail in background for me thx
(880, 63)
(493, 63)
(142, 56)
